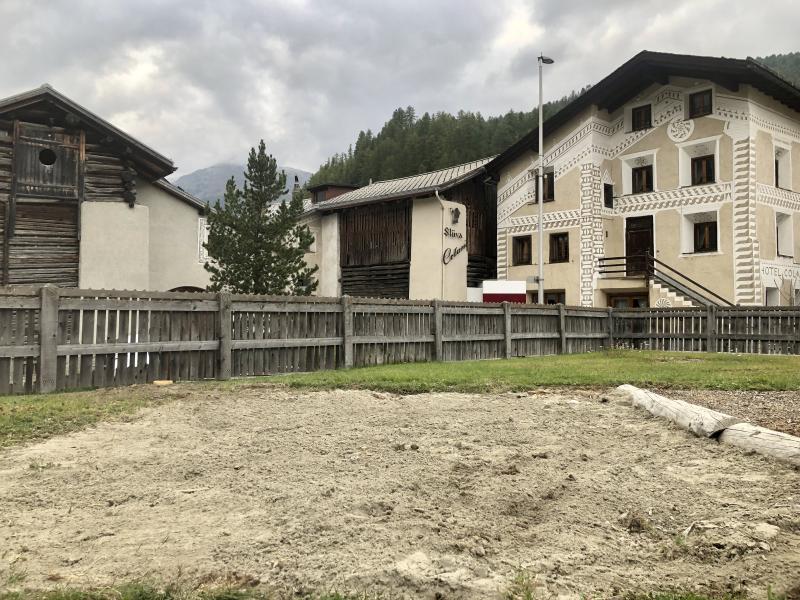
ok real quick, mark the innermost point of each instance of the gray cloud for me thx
(202, 81)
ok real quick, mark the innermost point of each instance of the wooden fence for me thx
(62, 339)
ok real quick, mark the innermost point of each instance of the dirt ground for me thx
(435, 495)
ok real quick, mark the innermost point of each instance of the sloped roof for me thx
(414, 185)
(155, 164)
(180, 194)
(647, 68)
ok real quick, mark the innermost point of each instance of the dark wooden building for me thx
(55, 156)
(374, 229)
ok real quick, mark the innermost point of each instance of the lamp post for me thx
(543, 60)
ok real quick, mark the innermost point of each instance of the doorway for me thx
(638, 244)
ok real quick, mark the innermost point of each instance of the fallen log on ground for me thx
(709, 423)
(697, 419)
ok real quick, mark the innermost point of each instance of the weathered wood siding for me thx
(375, 249)
(45, 173)
(480, 201)
(70, 339)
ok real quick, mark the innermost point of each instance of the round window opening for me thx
(47, 157)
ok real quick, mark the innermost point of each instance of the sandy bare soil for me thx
(445, 494)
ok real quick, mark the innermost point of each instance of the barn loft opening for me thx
(47, 157)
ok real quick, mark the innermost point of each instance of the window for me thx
(700, 232)
(521, 250)
(202, 240)
(549, 189)
(641, 118)
(319, 196)
(772, 296)
(782, 168)
(642, 179)
(555, 297)
(628, 301)
(47, 157)
(608, 195)
(559, 247)
(700, 104)
(703, 170)
(705, 236)
(783, 234)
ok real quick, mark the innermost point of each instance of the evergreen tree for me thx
(409, 144)
(254, 245)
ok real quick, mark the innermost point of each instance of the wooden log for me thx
(780, 445)
(701, 421)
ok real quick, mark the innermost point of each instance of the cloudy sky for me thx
(202, 81)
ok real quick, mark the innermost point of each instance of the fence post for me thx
(507, 329)
(347, 331)
(610, 328)
(438, 348)
(48, 331)
(711, 328)
(562, 328)
(225, 335)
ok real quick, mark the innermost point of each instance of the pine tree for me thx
(254, 245)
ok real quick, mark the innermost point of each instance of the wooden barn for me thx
(407, 237)
(85, 204)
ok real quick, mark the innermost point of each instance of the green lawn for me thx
(24, 418)
(659, 369)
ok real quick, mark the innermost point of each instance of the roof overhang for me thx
(648, 68)
(150, 163)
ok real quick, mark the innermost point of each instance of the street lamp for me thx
(543, 60)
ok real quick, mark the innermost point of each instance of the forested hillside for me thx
(409, 144)
(788, 65)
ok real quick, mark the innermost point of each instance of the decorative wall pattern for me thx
(777, 197)
(680, 129)
(747, 280)
(688, 196)
(552, 220)
(591, 242)
(594, 140)
(502, 254)
(581, 144)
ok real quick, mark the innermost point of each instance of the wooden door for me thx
(42, 217)
(638, 244)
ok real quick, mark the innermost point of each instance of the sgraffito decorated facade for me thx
(694, 161)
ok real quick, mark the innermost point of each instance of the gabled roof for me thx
(150, 162)
(180, 194)
(405, 187)
(647, 68)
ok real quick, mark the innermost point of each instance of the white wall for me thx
(114, 250)
(174, 240)
(438, 260)
(328, 250)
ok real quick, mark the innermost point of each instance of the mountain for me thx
(209, 184)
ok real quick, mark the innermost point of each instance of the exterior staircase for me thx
(673, 287)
